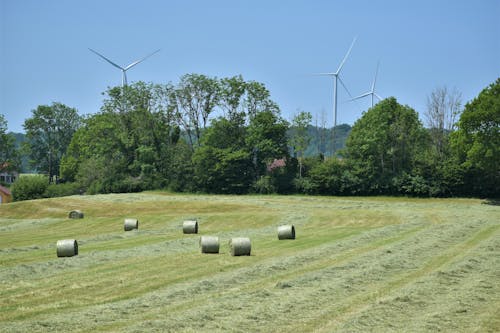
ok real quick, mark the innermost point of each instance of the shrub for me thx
(29, 187)
(305, 186)
(264, 186)
(62, 190)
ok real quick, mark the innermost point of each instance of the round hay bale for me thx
(240, 246)
(286, 232)
(209, 244)
(67, 248)
(131, 224)
(190, 227)
(76, 214)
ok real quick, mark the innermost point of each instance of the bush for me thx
(62, 190)
(412, 185)
(305, 185)
(29, 187)
(264, 186)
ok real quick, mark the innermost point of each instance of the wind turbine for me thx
(372, 90)
(337, 78)
(124, 69)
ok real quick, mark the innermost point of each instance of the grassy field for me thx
(357, 265)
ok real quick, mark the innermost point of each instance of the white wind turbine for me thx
(337, 78)
(372, 90)
(124, 69)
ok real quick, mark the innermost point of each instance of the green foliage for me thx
(69, 168)
(226, 133)
(232, 91)
(477, 141)
(180, 171)
(195, 99)
(49, 132)
(384, 144)
(152, 136)
(264, 185)
(222, 170)
(61, 190)
(258, 100)
(266, 139)
(129, 146)
(329, 177)
(29, 187)
(300, 137)
(9, 156)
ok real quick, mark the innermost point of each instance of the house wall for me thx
(4, 198)
(8, 178)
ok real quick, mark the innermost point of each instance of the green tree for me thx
(266, 139)
(258, 99)
(384, 144)
(476, 143)
(226, 133)
(129, 148)
(222, 164)
(100, 138)
(49, 132)
(300, 137)
(222, 170)
(9, 156)
(195, 98)
(232, 93)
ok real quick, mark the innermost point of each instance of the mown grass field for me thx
(357, 265)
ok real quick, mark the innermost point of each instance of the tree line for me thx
(227, 135)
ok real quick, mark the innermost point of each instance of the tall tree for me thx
(49, 132)
(137, 142)
(195, 98)
(477, 141)
(9, 156)
(266, 139)
(384, 144)
(232, 92)
(300, 137)
(258, 99)
(443, 109)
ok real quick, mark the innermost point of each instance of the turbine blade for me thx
(140, 60)
(343, 85)
(323, 74)
(375, 78)
(112, 63)
(345, 57)
(360, 96)
(377, 95)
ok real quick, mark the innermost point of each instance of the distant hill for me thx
(322, 139)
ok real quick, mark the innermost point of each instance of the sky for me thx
(421, 45)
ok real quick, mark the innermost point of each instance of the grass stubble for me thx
(358, 264)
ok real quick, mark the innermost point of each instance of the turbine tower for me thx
(124, 69)
(336, 78)
(372, 90)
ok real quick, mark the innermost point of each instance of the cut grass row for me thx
(356, 263)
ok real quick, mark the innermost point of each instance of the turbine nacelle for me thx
(336, 76)
(372, 90)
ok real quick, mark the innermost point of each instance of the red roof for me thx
(5, 190)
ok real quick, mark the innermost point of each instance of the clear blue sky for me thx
(420, 44)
